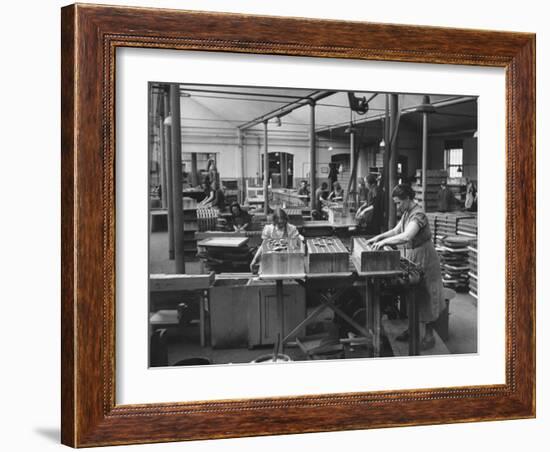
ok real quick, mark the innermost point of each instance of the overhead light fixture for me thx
(425, 106)
(475, 134)
(382, 144)
(330, 149)
(278, 121)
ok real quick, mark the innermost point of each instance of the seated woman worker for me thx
(240, 219)
(413, 231)
(279, 228)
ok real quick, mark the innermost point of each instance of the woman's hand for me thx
(379, 245)
(373, 240)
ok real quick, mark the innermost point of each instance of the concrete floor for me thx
(184, 343)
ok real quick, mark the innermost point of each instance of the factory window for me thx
(454, 158)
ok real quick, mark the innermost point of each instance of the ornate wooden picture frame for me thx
(90, 37)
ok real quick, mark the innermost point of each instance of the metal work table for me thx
(340, 282)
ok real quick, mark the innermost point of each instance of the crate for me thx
(327, 255)
(371, 260)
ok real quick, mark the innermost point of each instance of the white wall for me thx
(30, 227)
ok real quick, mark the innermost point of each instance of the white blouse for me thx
(270, 231)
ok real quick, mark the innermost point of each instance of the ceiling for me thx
(217, 108)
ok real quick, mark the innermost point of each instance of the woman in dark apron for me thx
(413, 231)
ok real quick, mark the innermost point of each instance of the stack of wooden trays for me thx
(433, 182)
(454, 262)
(467, 226)
(190, 225)
(225, 254)
(207, 218)
(472, 260)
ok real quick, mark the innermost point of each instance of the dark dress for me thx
(241, 219)
(219, 199)
(421, 251)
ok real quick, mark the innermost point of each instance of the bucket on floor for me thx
(196, 361)
(281, 358)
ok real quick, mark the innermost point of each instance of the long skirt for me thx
(429, 293)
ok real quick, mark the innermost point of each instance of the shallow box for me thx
(327, 255)
(370, 260)
(282, 257)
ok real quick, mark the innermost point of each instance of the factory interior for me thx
(306, 224)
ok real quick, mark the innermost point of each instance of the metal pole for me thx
(266, 171)
(168, 165)
(163, 183)
(312, 156)
(353, 165)
(392, 166)
(424, 157)
(177, 186)
(240, 136)
(385, 172)
(194, 171)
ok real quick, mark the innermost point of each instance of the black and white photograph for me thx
(294, 224)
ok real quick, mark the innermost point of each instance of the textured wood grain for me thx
(90, 37)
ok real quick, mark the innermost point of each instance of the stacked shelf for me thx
(231, 190)
(225, 254)
(455, 266)
(467, 226)
(472, 260)
(207, 218)
(433, 182)
(190, 225)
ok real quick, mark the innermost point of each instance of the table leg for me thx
(280, 313)
(413, 323)
(202, 320)
(376, 320)
(369, 309)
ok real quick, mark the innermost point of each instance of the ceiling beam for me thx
(286, 109)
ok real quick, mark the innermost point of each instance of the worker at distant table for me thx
(240, 219)
(337, 193)
(216, 198)
(279, 228)
(370, 214)
(471, 196)
(413, 231)
(303, 190)
(445, 198)
(321, 196)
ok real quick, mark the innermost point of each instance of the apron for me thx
(421, 251)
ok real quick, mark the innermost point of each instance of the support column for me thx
(163, 180)
(284, 169)
(312, 156)
(385, 170)
(392, 166)
(177, 187)
(168, 165)
(241, 155)
(353, 166)
(424, 157)
(194, 170)
(266, 171)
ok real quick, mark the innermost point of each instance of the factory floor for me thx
(462, 339)
(186, 344)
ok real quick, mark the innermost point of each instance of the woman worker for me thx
(413, 231)
(337, 193)
(279, 228)
(239, 218)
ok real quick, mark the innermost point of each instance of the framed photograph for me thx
(282, 225)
